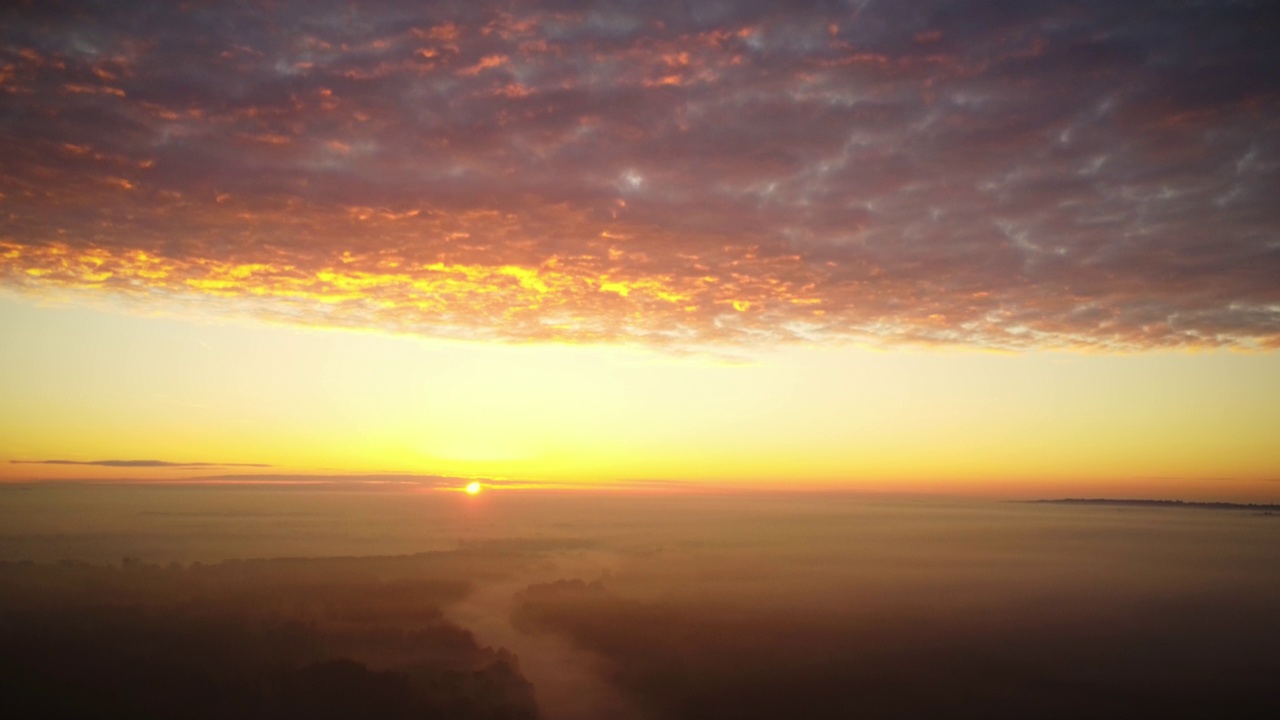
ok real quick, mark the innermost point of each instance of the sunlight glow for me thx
(242, 392)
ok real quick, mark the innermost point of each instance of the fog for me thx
(402, 601)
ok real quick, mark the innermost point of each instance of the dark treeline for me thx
(1216, 657)
(1138, 502)
(340, 638)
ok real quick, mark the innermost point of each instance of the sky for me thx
(1000, 247)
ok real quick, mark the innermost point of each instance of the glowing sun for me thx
(472, 488)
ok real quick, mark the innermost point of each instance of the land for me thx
(1255, 507)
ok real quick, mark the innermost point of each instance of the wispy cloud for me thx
(138, 463)
(1034, 175)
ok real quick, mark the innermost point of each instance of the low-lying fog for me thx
(390, 601)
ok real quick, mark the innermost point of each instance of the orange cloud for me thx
(486, 63)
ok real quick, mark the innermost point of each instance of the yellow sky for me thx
(528, 245)
(97, 383)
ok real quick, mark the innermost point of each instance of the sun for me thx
(472, 488)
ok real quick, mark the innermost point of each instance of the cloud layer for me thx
(1035, 174)
(137, 463)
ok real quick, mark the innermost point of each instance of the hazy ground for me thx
(634, 605)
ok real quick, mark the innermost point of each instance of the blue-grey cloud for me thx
(1031, 174)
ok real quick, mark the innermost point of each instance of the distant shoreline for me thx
(1135, 502)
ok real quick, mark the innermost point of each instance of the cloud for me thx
(980, 173)
(137, 463)
(391, 479)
